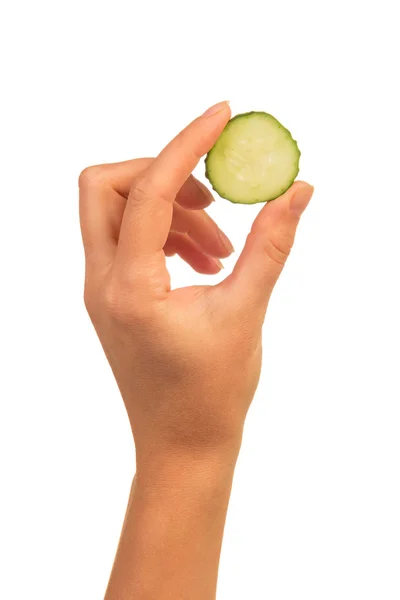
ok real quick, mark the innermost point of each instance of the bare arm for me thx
(171, 540)
(187, 361)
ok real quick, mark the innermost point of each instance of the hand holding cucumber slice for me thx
(254, 160)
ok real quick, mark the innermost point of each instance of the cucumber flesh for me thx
(255, 159)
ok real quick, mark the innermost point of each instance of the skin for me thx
(187, 361)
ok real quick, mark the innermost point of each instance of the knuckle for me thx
(115, 302)
(119, 300)
(92, 177)
(141, 189)
(121, 306)
(144, 189)
(276, 251)
(89, 301)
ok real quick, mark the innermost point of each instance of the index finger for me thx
(148, 214)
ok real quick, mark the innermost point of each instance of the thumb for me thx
(267, 248)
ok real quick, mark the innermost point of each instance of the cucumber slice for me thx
(255, 159)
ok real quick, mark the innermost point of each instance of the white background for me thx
(315, 507)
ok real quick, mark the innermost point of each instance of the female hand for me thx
(187, 361)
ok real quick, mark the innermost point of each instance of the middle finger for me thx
(201, 228)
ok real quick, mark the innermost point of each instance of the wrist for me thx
(172, 534)
(174, 473)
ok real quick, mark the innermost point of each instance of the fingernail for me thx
(219, 263)
(213, 110)
(225, 241)
(301, 198)
(205, 192)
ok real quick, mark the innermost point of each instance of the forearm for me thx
(171, 540)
